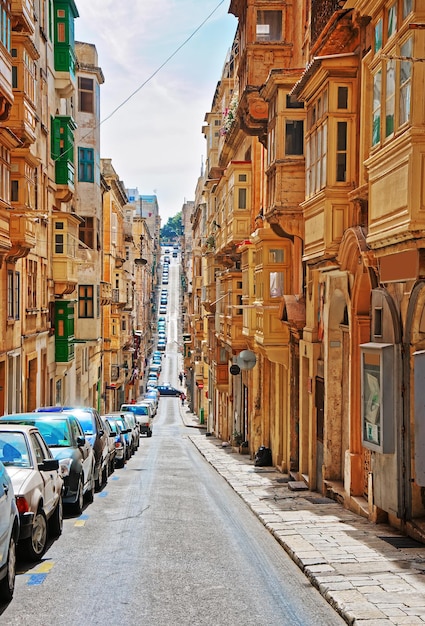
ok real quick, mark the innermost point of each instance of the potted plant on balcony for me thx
(210, 242)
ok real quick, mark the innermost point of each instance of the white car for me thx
(37, 484)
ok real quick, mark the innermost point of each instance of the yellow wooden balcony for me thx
(22, 236)
(22, 118)
(326, 217)
(220, 375)
(65, 274)
(22, 14)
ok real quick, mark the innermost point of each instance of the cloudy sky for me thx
(155, 139)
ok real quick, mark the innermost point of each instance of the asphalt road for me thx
(167, 542)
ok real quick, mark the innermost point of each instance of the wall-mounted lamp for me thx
(141, 260)
(216, 225)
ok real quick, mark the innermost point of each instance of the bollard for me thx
(201, 416)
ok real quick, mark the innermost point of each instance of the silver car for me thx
(37, 485)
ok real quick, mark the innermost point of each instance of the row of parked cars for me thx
(52, 458)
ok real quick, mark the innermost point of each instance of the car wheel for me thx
(35, 546)
(56, 521)
(7, 584)
(79, 502)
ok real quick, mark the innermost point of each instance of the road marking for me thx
(103, 494)
(36, 579)
(79, 523)
(44, 568)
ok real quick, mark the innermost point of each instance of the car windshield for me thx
(14, 449)
(86, 422)
(55, 432)
(114, 425)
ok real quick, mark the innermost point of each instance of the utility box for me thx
(419, 366)
(377, 385)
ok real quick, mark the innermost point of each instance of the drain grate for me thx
(403, 542)
(314, 500)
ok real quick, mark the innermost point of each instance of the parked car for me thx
(154, 369)
(120, 443)
(37, 484)
(153, 403)
(152, 394)
(91, 423)
(112, 452)
(143, 416)
(9, 534)
(168, 390)
(130, 419)
(127, 432)
(163, 309)
(64, 435)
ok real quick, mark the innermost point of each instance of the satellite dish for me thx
(246, 360)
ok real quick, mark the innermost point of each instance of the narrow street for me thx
(167, 541)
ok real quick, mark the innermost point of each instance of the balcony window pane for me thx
(376, 113)
(389, 98)
(392, 20)
(242, 198)
(276, 284)
(294, 137)
(342, 97)
(341, 157)
(405, 82)
(269, 25)
(276, 256)
(378, 35)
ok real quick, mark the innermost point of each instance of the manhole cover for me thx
(403, 542)
(314, 500)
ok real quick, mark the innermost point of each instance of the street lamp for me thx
(141, 260)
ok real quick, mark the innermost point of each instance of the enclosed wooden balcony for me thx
(220, 375)
(22, 16)
(233, 224)
(326, 217)
(65, 253)
(22, 120)
(22, 236)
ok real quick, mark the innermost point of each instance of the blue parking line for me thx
(36, 579)
(103, 494)
(115, 478)
(84, 516)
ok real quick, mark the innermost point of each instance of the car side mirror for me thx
(48, 465)
(101, 433)
(113, 433)
(81, 441)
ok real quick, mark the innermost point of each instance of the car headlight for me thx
(65, 467)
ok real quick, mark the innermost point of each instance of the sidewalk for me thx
(371, 574)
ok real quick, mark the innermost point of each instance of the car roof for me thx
(33, 415)
(26, 428)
